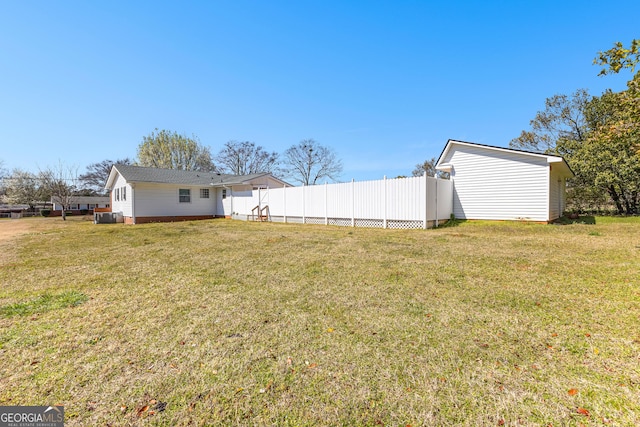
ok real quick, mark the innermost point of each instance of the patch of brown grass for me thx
(231, 323)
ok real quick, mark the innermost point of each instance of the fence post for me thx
(426, 201)
(353, 203)
(326, 203)
(284, 203)
(436, 177)
(384, 221)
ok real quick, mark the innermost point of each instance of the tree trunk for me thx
(628, 203)
(616, 199)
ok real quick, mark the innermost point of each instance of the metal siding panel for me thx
(498, 185)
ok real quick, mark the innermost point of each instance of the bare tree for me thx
(24, 187)
(97, 174)
(307, 162)
(243, 158)
(3, 188)
(60, 182)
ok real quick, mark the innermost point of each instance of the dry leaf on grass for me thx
(584, 412)
(141, 410)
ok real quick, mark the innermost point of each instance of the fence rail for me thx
(417, 202)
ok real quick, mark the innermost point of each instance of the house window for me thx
(117, 194)
(224, 193)
(124, 193)
(204, 193)
(185, 195)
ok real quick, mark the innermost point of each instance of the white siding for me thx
(499, 185)
(162, 200)
(123, 206)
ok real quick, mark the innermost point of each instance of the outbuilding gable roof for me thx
(174, 176)
(452, 143)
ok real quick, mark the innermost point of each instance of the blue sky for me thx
(385, 84)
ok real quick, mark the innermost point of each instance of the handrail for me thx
(253, 214)
(261, 215)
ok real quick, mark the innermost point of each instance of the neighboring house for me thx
(82, 204)
(142, 194)
(504, 184)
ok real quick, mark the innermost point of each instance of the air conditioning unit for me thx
(107, 217)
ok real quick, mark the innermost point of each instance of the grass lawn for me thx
(230, 323)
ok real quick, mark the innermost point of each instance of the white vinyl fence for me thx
(418, 202)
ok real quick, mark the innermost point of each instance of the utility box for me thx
(108, 217)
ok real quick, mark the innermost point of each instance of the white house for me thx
(84, 203)
(504, 184)
(142, 194)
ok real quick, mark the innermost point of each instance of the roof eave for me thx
(111, 178)
(549, 157)
(444, 167)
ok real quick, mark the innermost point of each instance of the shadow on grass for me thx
(453, 222)
(584, 219)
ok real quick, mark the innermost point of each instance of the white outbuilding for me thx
(498, 183)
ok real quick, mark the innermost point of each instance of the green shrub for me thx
(45, 212)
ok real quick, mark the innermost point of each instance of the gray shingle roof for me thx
(174, 176)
